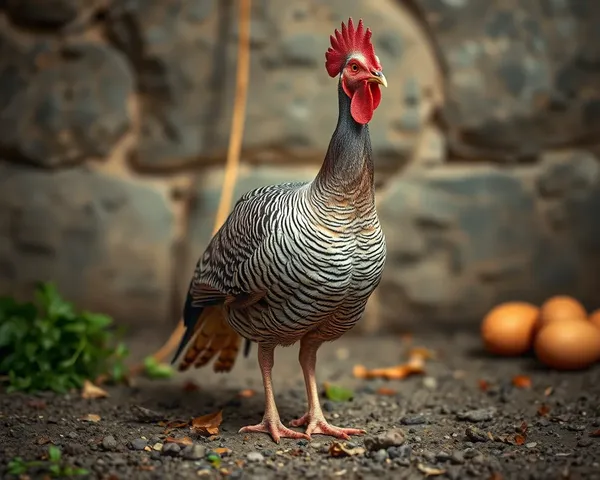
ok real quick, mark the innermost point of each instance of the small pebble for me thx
(479, 415)
(380, 455)
(476, 435)
(413, 420)
(138, 444)
(194, 452)
(392, 438)
(109, 443)
(255, 457)
(531, 444)
(171, 449)
(584, 442)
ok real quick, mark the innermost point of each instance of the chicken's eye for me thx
(354, 67)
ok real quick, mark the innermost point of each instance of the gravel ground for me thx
(463, 419)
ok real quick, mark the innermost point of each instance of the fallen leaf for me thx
(483, 385)
(337, 393)
(91, 391)
(595, 434)
(519, 439)
(43, 441)
(392, 373)
(223, 451)
(190, 386)
(386, 391)
(548, 391)
(37, 404)
(543, 410)
(523, 428)
(172, 425)
(521, 381)
(184, 441)
(91, 417)
(207, 424)
(247, 393)
(430, 471)
(496, 476)
(337, 450)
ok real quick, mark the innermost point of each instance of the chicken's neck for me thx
(348, 167)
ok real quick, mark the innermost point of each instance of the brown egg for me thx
(569, 345)
(561, 308)
(595, 317)
(508, 328)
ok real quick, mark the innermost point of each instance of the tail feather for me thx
(229, 353)
(211, 336)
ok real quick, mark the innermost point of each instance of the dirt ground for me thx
(463, 419)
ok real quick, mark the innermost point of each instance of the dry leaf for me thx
(523, 428)
(184, 441)
(172, 425)
(207, 424)
(386, 391)
(519, 439)
(483, 385)
(91, 417)
(543, 410)
(190, 386)
(415, 365)
(146, 468)
(43, 441)
(496, 476)
(430, 471)
(595, 434)
(246, 393)
(521, 381)
(222, 451)
(90, 391)
(548, 391)
(337, 450)
(37, 404)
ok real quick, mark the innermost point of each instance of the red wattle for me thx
(365, 100)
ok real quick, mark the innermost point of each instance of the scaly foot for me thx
(274, 428)
(319, 426)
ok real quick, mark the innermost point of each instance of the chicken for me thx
(297, 262)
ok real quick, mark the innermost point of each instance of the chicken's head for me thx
(352, 57)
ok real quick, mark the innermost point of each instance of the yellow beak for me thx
(378, 77)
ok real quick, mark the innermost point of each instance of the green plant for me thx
(155, 370)
(48, 345)
(54, 466)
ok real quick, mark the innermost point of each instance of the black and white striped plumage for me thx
(311, 252)
(297, 262)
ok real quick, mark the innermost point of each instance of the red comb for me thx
(346, 43)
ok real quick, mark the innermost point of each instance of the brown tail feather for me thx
(229, 352)
(214, 336)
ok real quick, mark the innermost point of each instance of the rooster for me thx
(297, 262)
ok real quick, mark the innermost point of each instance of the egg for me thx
(508, 328)
(561, 308)
(570, 345)
(595, 318)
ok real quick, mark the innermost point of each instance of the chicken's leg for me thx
(271, 423)
(314, 418)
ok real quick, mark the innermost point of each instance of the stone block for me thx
(106, 242)
(187, 97)
(533, 65)
(61, 106)
(461, 239)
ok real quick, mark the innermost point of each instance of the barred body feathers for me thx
(297, 262)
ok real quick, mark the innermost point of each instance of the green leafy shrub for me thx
(48, 345)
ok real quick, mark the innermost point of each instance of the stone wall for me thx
(114, 121)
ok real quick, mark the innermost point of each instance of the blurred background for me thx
(115, 116)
